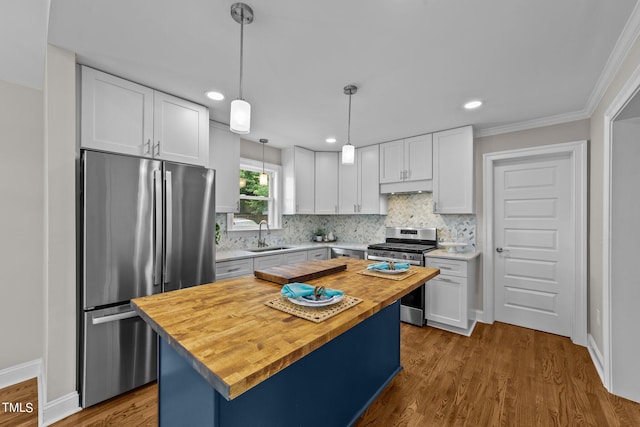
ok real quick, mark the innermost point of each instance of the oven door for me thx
(412, 307)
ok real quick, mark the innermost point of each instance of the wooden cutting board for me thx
(299, 272)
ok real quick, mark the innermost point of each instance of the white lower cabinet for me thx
(262, 262)
(234, 268)
(291, 257)
(318, 254)
(449, 296)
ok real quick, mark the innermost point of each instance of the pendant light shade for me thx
(348, 150)
(348, 154)
(240, 116)
(240, 119)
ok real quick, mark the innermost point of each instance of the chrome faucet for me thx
(261, 241)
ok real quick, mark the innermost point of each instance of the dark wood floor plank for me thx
(502, 375)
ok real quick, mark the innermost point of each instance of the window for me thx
(257, 202)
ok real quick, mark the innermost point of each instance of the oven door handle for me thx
(381, 258)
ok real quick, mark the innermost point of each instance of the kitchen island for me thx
(227, 359)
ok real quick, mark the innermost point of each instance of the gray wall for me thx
(21, 224)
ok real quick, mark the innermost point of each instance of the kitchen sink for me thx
(269, 249)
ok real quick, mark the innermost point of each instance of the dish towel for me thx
(385, 266)
(294, 290)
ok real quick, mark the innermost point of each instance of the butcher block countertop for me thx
(228, 334)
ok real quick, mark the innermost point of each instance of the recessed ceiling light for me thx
(472, 104)
(216, 96)
(331, 140)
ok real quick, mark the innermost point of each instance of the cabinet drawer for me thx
(267, 261)
(446, 300)
(235, 268)
(448, 266)
(320, 253)
(295, 257)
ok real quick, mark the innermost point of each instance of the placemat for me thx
(400, 276)
(315, 314)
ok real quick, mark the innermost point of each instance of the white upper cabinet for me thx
(392, 162)
(453, 171)
(124, 117)
(224, 157)
(418, 158)
(359, 189)
(298, 167)
(407, 165)
(180, 130)
(348, 181)
(370, 201)
(326, 182)
(116, 114)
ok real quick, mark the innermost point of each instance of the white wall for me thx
(60, 228)
(596, 195)
(21, 224)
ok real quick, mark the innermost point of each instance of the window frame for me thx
(275, 193)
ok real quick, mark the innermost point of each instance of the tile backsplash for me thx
(406, 210)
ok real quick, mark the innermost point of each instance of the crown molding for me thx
(532, 124)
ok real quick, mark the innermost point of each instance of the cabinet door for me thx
(447, 300)
(347, 187)
(294, 257)
(224, 157)
(367, 160)
(267, 261)
(304, 181)
(453, 171)
(418, 157)
(180, 130)
(391, 162)
(116, 114)
(326, 182)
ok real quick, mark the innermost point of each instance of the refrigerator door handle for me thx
(114, 317)
(169, 226)
(157, 228)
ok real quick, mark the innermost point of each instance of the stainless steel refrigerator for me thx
(148, 226)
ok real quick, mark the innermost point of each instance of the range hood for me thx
(422, 186)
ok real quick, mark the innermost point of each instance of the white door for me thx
(534, 271)
(418, 157)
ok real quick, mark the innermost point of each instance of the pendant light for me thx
(240, 120)
(264, 178)
(348, 150)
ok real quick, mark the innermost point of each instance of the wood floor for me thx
(19, 404)
(502, 375)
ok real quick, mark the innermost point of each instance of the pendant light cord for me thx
(262, 156)
(349, 125)
(241, 47)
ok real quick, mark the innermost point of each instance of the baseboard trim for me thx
(23, 372)
(19, 373)
(61, 408)
(597, 358)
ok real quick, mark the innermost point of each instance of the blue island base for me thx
(332, 386)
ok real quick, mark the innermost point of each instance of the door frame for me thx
(626, 93)
(577, 152)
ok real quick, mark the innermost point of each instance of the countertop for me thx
(293, 247)
(228, 334)
(443, 253)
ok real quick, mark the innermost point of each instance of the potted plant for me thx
(318, 235)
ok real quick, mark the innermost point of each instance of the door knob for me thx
(499, 250)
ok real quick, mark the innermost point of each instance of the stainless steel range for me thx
(407, 245)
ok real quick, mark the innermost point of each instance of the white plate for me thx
(316, 303)
(396, 271)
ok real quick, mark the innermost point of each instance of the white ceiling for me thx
(415, 61)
